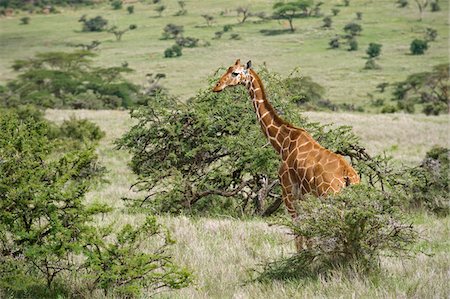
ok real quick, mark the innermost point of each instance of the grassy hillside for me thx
(222, 252)
(340, 71)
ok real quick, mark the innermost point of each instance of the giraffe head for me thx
(236, 74)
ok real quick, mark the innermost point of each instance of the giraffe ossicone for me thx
(306, 167)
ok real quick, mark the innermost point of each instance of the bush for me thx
(435, 6)
(402, 3)
(117, 4)
(81, 129)
(349, 231)
(25, 20)
(47, 238)
(174, 51)
(371, 64)
(96, 24)
(430, 34)
(334, 43)
(374, 50)
(187, 42)
(327, 21)
(335, 11)
(353, 44)
(418, 47)
(353, 29)
(130, 9)
(389, 109)
(172, 31)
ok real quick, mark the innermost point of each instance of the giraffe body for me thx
(306, 167)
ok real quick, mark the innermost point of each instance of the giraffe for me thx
(306, 167)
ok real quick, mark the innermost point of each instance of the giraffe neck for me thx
(270, 122)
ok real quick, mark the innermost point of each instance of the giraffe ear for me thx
(249, 64)
(238, 62)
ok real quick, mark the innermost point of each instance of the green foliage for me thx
(211, 153)
(430, 34)
(335, 11)
(435, 6)
(43, 216)
(174, 51)
(46, 228)
(68, 80)
(346, 232)
(353, 44)
(96, 24)
(402, 3)
(334, 42)
(126, 266)
(327, 21)
(30, 6)
(353, 29)
(187, 42)
(159, 9)
(429, 184)
(25, 20)
(183, 10)
(208, 19)
(374, 50)
(427, 88)
(291, 10)
(172, 31)
(130, 9)
(371, 64)
(304, 92)
(418, 47)
(119, 33)
(117, 4)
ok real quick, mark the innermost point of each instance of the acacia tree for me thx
(292, 10)
(211, 153)
(421, 5)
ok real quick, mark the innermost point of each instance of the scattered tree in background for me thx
(208, 19)
(94, 24)
(421, 5)
(172, 31)
(353, 29)
(327, 21)
(418, 47)
(374, 50)
(119, 33)
(292, 10)
(182, 11)
(160, 9)
(117, 4)
(130, 9)
(68, 80)
(429, 89)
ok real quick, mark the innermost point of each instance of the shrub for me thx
(94, 24)
(187, 42)
(172, 31)
(126, 267)
(430, 34)
(334, 43)
(418, 47)
(227, 28)
(353, 44)
(174, 51)
(371, 64)
(349, 231)
(235, 36)
(389, 109)
(374, 50)
(81, 129)
(335, 11)
(130, 9)
(25, 20)
(359, 15)
(353, 29)
(435, 6)
(159, 9)
(327, 21)
(402, 3)
(116, 4)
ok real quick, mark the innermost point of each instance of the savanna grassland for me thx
(222, 252)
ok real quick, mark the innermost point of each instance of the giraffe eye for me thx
(234, 74)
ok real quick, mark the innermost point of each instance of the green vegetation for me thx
(418, 47)
(194, 153)
(67, 80)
